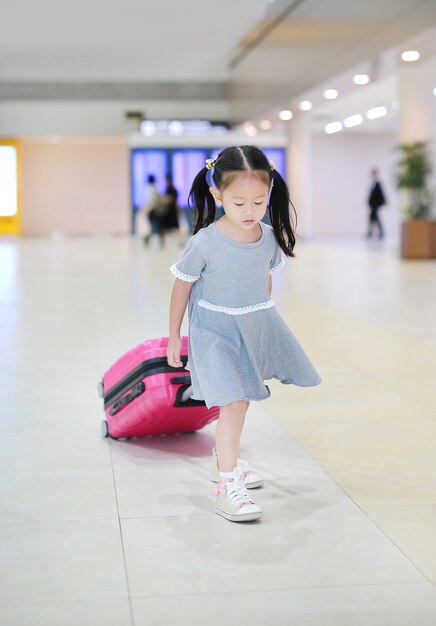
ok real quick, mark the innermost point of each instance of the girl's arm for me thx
(270, 284)
(179, 301)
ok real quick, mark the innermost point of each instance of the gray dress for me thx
(237, 339)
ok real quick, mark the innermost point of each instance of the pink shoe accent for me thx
(219, 489)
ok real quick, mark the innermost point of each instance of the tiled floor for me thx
(122, 533)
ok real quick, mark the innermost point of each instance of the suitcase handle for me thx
(180, 380)
(183, 397)
(137, 390)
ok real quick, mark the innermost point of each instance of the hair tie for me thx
(272, 166)
(210, 163)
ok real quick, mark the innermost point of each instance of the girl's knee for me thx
(235, 408)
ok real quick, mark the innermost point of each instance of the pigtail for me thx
(201, 201)
(280, 208)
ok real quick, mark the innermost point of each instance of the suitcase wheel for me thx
(104, 429)
(100, 389)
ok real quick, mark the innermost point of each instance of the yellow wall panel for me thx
(11, 225)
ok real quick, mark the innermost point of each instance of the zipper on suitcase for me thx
(127, 399)
(147, 368)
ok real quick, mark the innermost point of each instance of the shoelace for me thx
(237, 493)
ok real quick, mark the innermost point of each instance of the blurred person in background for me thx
(171, 218)
(156, 210)
(376, 200)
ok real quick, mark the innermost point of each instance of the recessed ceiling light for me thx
(434, 91)
(175, 127)
(330, 94)
(361, 79)
(286, 115)
(410, 55)
(353, 120)
(373, 114)
(333, 127)
(147, 127)
(265, 124)
(305, 105)
(250, 129)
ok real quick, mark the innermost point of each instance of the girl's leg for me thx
(251, 478)
(233, 501)
(247, 404)
(228, 434)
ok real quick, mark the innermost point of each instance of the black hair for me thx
(226, 166)
(151, 179)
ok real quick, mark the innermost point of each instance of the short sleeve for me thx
(191, 264)
(277, 261)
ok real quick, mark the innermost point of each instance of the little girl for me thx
(237, 339)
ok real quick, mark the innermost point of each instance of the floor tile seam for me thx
(45, 468)
(348, 466)
(60, 521)
(9, 473)
(348, 496)
(313, 459)
(65, 602)
(163, 517)
(305, 451)
(369, 466)
(284, 589)
(359, 467)
(400, 549)
(49, 430)
(392, 506)
(120, 529)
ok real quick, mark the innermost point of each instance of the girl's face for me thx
(244, 200)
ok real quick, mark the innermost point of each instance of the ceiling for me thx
(232, 59)
(312, 41)
(132, 40)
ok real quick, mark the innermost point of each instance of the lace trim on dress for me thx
(187, 277)
(278, 266)
(240, 310)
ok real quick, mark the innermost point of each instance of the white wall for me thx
(36, 118)
(76, 187)
(82, 186)
(340, 183)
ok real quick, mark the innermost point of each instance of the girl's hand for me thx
(173, 352)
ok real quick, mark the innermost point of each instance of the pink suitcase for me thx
(144, 396)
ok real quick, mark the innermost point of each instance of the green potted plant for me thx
(418, 233)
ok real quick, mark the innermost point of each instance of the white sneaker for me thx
(251, 479)
(233, 501)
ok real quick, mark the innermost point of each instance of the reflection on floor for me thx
(122, 533)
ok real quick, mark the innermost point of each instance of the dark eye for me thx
(238, 204)
(258, 203)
